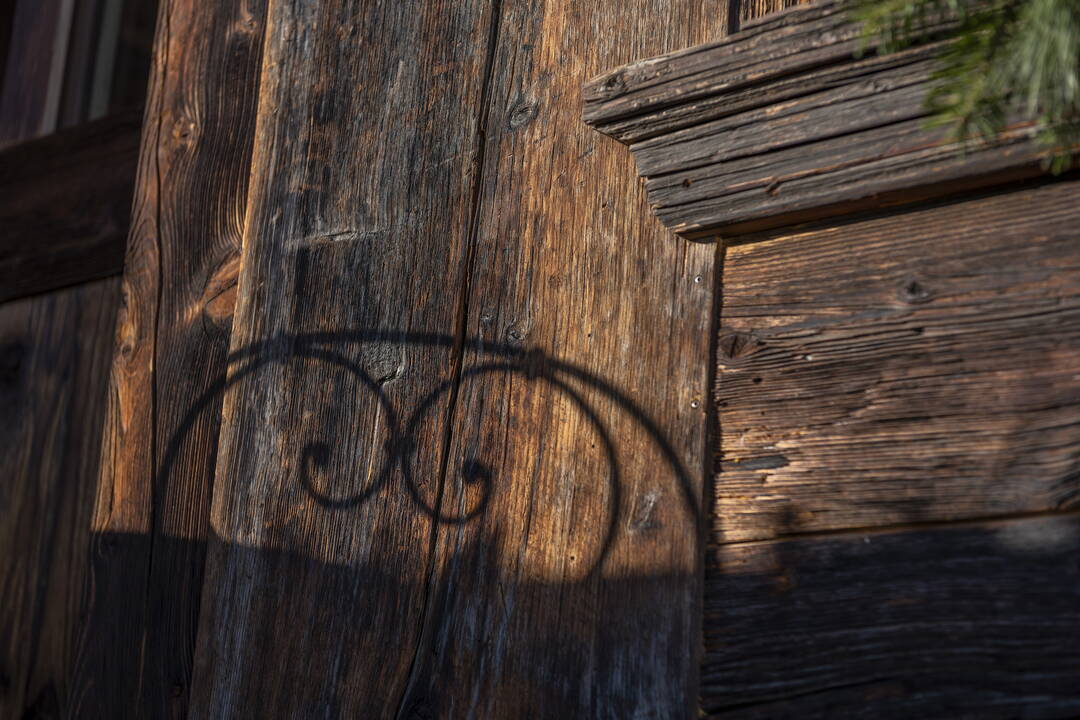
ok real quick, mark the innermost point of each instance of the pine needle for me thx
(1009, 61)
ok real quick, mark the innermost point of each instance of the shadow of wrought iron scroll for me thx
(336, 349)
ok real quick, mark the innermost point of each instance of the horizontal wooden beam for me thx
(788, 121)
(914, 366)
(65, 202)
(978, 620)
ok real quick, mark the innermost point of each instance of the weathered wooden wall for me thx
(150, 526)
(54, 351)
(894, 516)
(462, 406)
(895, 513)
(66, 200)
(545, 474)
(450, 430)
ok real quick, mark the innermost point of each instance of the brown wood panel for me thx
(65, 204)
(152, 511)
(910, 367)
(840, 171)
(781, 44)
(669, 117)
(54, 353)
(355, 242)
(576, 592)
(33, 74)
(438, 352)
(974, 621)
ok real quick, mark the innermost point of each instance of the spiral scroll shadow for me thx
(532, 365)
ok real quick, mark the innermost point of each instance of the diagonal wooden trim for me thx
(65, 201)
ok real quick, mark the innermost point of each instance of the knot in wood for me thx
(185, 131)
(522, 112)
(613, 84)
(913, 292)
(736, 345)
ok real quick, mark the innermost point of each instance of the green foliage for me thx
(1010, 60)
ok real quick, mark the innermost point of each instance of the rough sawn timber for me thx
(787, 122)
(152, 508)
(979, 620)
(915, 366)
(445, 274)
(54, 351)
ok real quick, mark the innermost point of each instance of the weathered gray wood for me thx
(65, 204)
(576, 593)
(54, 351)
(893, 164)
(979, 620)
(152, 512)
(670, 118)
(786, 122)
(915, 366)
(799, 41)
(423, 289)
(358, 220)
(704, 153)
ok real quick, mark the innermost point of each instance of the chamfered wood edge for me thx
(65, 201)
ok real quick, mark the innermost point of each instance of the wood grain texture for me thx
(973, 621)
(751, 11)
(909, 367)
(781, 44)
(898, 163)
(33, 71)
(358, 217)
(65, 204)
(667, 119)
(439, 338)
(54, 353)
(569, 268)
(786, 122)
(172, 340)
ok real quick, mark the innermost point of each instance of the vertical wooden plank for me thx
(447, 317)
(54, 353)
(576, 593)
(121, 75)
(79, 65)
(34, 71)
(355, 240)
(172, 338)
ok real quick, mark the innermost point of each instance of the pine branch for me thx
(1008, 60)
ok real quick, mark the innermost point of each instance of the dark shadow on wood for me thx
(622, 611)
